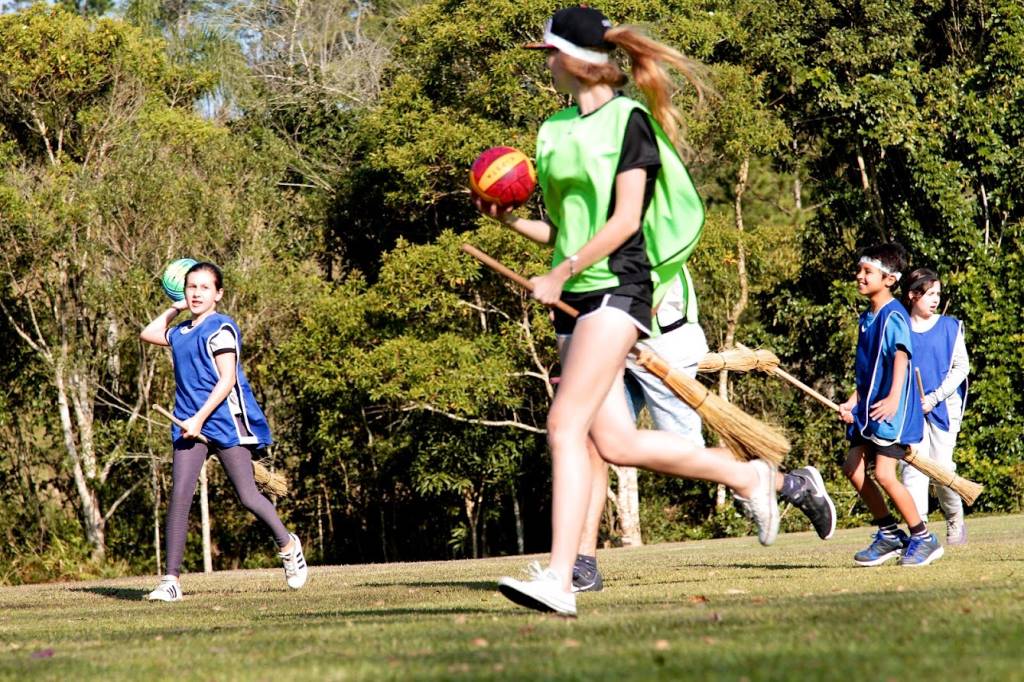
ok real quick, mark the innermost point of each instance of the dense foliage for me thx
(319, 153)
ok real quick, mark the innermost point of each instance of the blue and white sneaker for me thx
(921, 551)
(882, 549)
(295, 570)
(167, 590)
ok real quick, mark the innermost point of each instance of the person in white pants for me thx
(941, 362)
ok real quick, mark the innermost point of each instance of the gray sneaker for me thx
(814, 502)
(762, 508)
(956, 532)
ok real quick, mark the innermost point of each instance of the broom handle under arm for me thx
(920, 384)
(779, 372)
(156, 408)
(514, 276)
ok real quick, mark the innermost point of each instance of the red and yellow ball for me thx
(503, 176)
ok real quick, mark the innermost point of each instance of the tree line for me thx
(318, 151)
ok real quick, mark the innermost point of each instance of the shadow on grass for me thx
(484, 585)
(125, 593)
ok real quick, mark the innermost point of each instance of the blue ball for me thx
(173, 280)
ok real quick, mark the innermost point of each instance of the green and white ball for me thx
(173, 280)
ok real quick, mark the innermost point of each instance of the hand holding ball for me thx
(503, 176)
(173, 279)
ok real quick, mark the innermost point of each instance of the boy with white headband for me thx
(884, 413)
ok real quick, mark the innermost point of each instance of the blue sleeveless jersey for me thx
(879, 337)
(236, 421)
(933, 355)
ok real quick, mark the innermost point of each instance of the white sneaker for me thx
(167, 590)
(763, 508)
(295, 571)
(542, 592)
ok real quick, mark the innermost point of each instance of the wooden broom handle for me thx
(156, 408)
(779, 372)
(514, 276)
(920, 384)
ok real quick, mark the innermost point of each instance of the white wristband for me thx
(573, 259)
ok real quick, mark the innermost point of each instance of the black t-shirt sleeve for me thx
(639, 150)
(639, 147)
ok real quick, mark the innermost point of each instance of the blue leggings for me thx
(237, 462)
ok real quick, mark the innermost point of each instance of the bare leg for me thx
(598, 497)
(856, 470)
(885, 472)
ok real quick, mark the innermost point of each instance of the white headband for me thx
(881, 266)
(582, 53)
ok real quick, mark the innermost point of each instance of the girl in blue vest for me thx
(212, 398)
(623, 217)
(940, 355)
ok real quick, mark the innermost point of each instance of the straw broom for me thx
(747, 437)
(271, 481)
(739, 359)
(966, 489)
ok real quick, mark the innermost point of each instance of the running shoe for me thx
(956, 531)
(585, 578)
(542, 592)
(882, 548)
(167, 590)
(762, 508)
(295, 571)
(814, 502)
(922, 551)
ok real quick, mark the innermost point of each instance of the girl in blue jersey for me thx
(622, 216)
(212, 398)
(940, 355)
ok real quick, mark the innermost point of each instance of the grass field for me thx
(722, 609)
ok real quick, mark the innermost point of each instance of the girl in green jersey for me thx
(622, 217)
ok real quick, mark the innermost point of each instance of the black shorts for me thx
(632, 299)
(894, 451)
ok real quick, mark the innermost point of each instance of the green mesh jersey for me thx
(577, 160)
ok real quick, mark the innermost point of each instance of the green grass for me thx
(722, 609)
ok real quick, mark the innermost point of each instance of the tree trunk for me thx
(204, 513)
(627, 501)
(156, 511)
(92, 516)
(470, 505)
(517, 513)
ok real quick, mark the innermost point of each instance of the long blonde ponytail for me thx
(647, 56)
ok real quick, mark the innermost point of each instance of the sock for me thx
(791, 488)
(919, 531)
(887, 526)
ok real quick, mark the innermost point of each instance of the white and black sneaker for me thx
(542, 592)
(814, 502)
(762, 507)
(167, 590)
(295, 571)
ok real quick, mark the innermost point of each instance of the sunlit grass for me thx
(723, 609)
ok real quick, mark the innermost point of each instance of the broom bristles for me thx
(967, 490)
(739, 359)
(747, 437)
(271, 481)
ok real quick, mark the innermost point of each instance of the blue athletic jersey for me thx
(236, 421)
(879, 337)
(934, 357)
